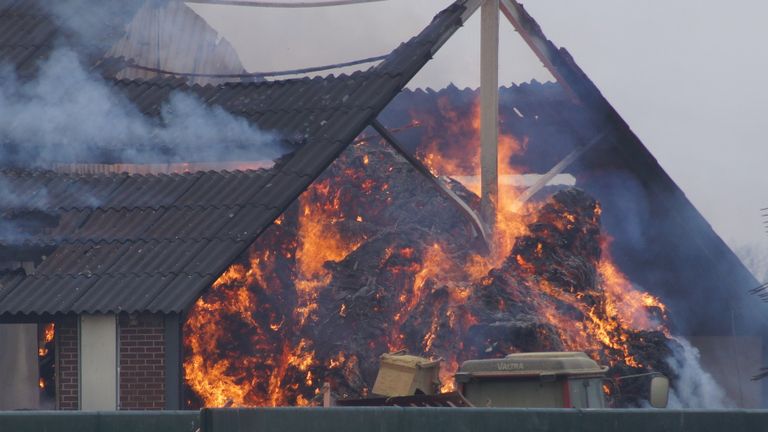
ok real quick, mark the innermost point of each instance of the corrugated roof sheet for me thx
(118, 248)
(153, 243)
(29, 30)
(27, 34)
(173, 37)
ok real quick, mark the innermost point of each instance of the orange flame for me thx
(282, 370)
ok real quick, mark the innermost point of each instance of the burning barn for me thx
(255, 287)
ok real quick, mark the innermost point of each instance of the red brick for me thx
(67, 367)
(142, 361)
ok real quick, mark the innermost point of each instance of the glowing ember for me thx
(48, 334)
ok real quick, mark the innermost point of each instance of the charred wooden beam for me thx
(480, 228)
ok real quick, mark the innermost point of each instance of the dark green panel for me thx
(58, 421)
(32, 421)
(393, 419)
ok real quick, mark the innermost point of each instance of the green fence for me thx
(121, 421)
(387, 419)
(380, 419)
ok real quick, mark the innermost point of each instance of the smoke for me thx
(694, 387)
(69, 115)
(93, 26)
(755, 256)
(10, 198)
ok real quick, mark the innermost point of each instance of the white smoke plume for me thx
(68, 114)
(694, 387)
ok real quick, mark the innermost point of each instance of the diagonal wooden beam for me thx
(477, 223)
(558, 168)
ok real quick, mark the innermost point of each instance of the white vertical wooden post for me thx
(489, 110)
(98, 362)
(18, 367)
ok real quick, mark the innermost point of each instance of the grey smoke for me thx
(93, 26)
(68, 114)
(11, 198)
(754, 255)
(694, 387)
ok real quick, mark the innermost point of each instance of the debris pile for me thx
(373, 259)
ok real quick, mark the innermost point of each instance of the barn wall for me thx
(67, 369)
(18, 367)
(142, 362)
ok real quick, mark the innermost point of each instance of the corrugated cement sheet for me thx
(154, 243)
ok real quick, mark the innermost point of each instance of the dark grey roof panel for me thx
(86, 191)
(244, 224)
(81, 259)
(119, 224)
(46, 295)
(151, 190)
(216, 254)
(69, 223)
(26, 35)
(121, 293)
(190, 223)
(23, 191)
(282, 186)
(136, 243)
(180, 293)
(156, 257)
(225, 188)
(9, 281)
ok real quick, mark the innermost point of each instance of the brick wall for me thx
(142, 362)
(67, 367)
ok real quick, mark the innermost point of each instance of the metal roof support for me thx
(480, 228)
(489, 110)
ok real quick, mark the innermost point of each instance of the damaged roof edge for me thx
(644, 165)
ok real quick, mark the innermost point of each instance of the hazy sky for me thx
(687, 75)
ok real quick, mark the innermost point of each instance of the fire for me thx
(294, 313)
(633, 307)
(47, 337)
(453, 125)
(319, 241)
(49, 332)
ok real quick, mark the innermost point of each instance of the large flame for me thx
(259, 338)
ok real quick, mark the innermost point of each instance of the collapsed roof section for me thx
(661, 240)
(114, 36)
(153, 243)
(706, 277)
(171, 36)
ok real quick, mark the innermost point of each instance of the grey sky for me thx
(685, 74)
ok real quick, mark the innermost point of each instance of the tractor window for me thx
(586, 393)
(523, 393)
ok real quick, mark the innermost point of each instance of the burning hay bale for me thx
(372, 259)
